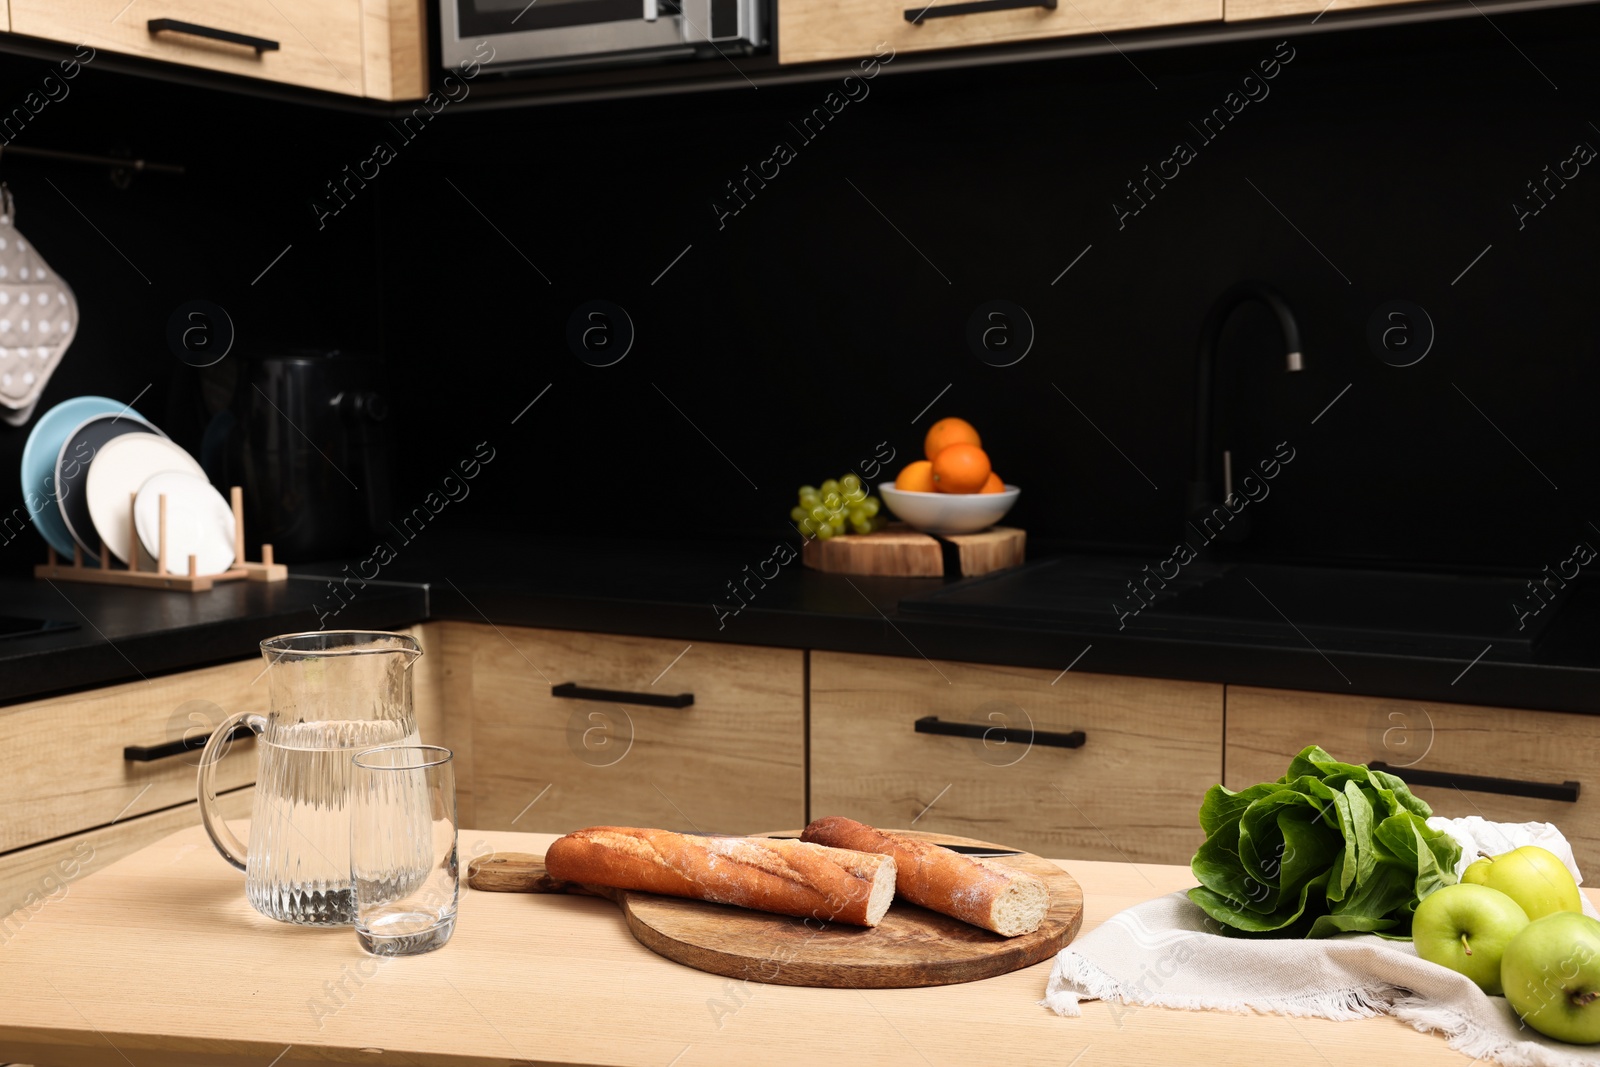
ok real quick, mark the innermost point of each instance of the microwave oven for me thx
(563, 33)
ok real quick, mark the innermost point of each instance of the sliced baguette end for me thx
(1020, 908)
(882, 895)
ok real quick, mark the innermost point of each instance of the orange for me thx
(947, 432)
(917, 478)
(961, 468)
(995, 484)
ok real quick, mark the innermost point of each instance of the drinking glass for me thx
(403, 848)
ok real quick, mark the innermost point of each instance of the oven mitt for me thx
(38, 319)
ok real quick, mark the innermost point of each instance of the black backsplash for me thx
(781, 344)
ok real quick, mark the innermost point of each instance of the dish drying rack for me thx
(161, 577)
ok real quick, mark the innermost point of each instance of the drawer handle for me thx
(976, 7)
(260, 44)
(573, 691)
(930, 724)
(1511, 787)
(151, 753)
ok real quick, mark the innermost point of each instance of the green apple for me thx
(1551, 974)
(1533, 877)
(1477, 872)
(1467, 928)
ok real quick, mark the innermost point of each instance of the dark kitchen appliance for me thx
(305, 435)
(516, 34)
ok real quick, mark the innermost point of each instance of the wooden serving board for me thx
(899, 551)
(910, 947)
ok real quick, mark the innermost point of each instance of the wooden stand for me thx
(161, 578)
(902, 552)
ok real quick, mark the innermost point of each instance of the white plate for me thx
(948, 513)
(122, 465)
(199, 522)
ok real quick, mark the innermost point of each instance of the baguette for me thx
(977, 891)
(786, 877)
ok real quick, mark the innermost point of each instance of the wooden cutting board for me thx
(899, 551)
(910, 947)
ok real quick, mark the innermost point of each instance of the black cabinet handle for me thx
(975, 7)
(573, 691)
(930, 724)
(151, 753)
(1477, 783)
(260, 44)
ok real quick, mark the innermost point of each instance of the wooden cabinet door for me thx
(65, 766)
(394, 35)
(1132, 791)
(1419, 740)
(733, 761)
(812, 30)
(319, 41)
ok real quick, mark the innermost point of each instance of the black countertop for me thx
(686, 592)
(124, 635)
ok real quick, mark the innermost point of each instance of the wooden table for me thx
(157, 961)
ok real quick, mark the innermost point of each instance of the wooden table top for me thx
(158, 961)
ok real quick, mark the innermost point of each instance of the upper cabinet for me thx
(394, 37)
(373, 48)
(810, 30)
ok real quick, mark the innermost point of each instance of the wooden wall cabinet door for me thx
(394, 35)
(319, 42)
(812, 30)
(1419, 740)
(733, 761)
(1131, 792)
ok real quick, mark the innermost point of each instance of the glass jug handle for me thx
(217, 746)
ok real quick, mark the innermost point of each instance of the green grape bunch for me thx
(836, 507)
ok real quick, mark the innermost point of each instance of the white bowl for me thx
(948, 513)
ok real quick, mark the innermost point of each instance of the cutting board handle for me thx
(520, 872)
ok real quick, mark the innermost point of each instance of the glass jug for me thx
(333, 693)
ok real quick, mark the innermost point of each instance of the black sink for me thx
(1404, 612)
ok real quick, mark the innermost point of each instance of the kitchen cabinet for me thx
(733, 760)
(64, 755)
(67, 771)
(1423, 740)
(73, 803)
(812, 30)
(374, 48)
(394, 36)
(1131, 791)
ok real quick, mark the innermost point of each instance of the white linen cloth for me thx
(1164, 953)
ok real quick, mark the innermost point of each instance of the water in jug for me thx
(333, 694)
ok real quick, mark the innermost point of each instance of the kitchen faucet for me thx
(1202, 500)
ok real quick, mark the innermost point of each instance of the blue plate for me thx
(39, 463)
